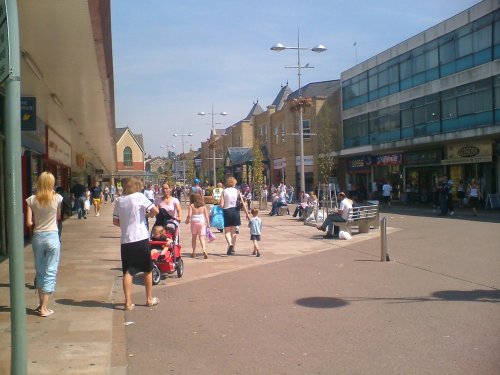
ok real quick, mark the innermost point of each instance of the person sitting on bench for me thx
(339, 216)
(281, 200)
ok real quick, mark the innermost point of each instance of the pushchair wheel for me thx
(179, 267)
(156, 274)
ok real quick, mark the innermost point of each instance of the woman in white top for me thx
(474, 193)
(130, 215)
(43, 211)
(231, 213)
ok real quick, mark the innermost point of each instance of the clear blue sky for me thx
(173, 59)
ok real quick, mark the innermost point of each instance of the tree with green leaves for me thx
(327, 142)
(190, 171)
(257, 168)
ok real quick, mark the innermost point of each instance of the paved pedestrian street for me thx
(308, 305)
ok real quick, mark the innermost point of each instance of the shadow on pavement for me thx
(86, 303)
(478, 295)
(321, 302)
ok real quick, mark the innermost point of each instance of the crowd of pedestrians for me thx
(135, 203)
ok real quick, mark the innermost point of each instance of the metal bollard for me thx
(384, 256)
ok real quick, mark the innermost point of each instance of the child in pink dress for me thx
(198, 217)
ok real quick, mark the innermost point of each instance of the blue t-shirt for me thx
(255, 225)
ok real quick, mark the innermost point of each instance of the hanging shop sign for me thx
(57, 148)
(81, 160)
(279, 163)
(467, 153)
(433, 156)
(357, 163)
(391, 159)
(28, 113)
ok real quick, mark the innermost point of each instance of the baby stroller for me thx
(171, 261)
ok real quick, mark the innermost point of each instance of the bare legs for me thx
(43, 302)
(194, 237)
(230, 235)
(127, 289)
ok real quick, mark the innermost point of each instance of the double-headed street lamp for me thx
(319, 48)
(182, 135)
(213, 135)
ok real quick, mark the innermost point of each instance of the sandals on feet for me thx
(155, 301)
(48, 313)
(129, 308)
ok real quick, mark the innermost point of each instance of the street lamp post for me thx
(213, 135)
(319, 48)
(168, 155)
(182, 135)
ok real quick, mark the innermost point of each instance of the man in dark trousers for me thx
(78, 191)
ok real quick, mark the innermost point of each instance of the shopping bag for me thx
(86, 205)
(344, 235)
(210, 235)
(217, 217)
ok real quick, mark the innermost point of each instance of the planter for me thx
(208, 199)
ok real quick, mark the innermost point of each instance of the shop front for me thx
(34, 148)
(279, 166)
(422, 169)
(388, 168)
(471, 160)
(359, 172)
(308, 173)
(58, 159)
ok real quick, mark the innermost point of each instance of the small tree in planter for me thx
(258, 173)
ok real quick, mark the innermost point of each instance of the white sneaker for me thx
(97, 214)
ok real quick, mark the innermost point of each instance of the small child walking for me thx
(198, 217)
(255, 225)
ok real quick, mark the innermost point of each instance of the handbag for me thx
(239, 202)
(210, 235)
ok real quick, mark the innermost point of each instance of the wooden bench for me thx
(362, 217)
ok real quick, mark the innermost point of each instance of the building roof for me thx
(285, 91)
(220, 131)
(138, 137)
(314, 89)
(256, 110)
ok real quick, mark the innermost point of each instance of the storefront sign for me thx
(279, 164)
(467, 153)
(392, 159)
(423, 157)
(362, 162)
(308, 160)
(80, 160)
(57, 148)
(28, 113)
